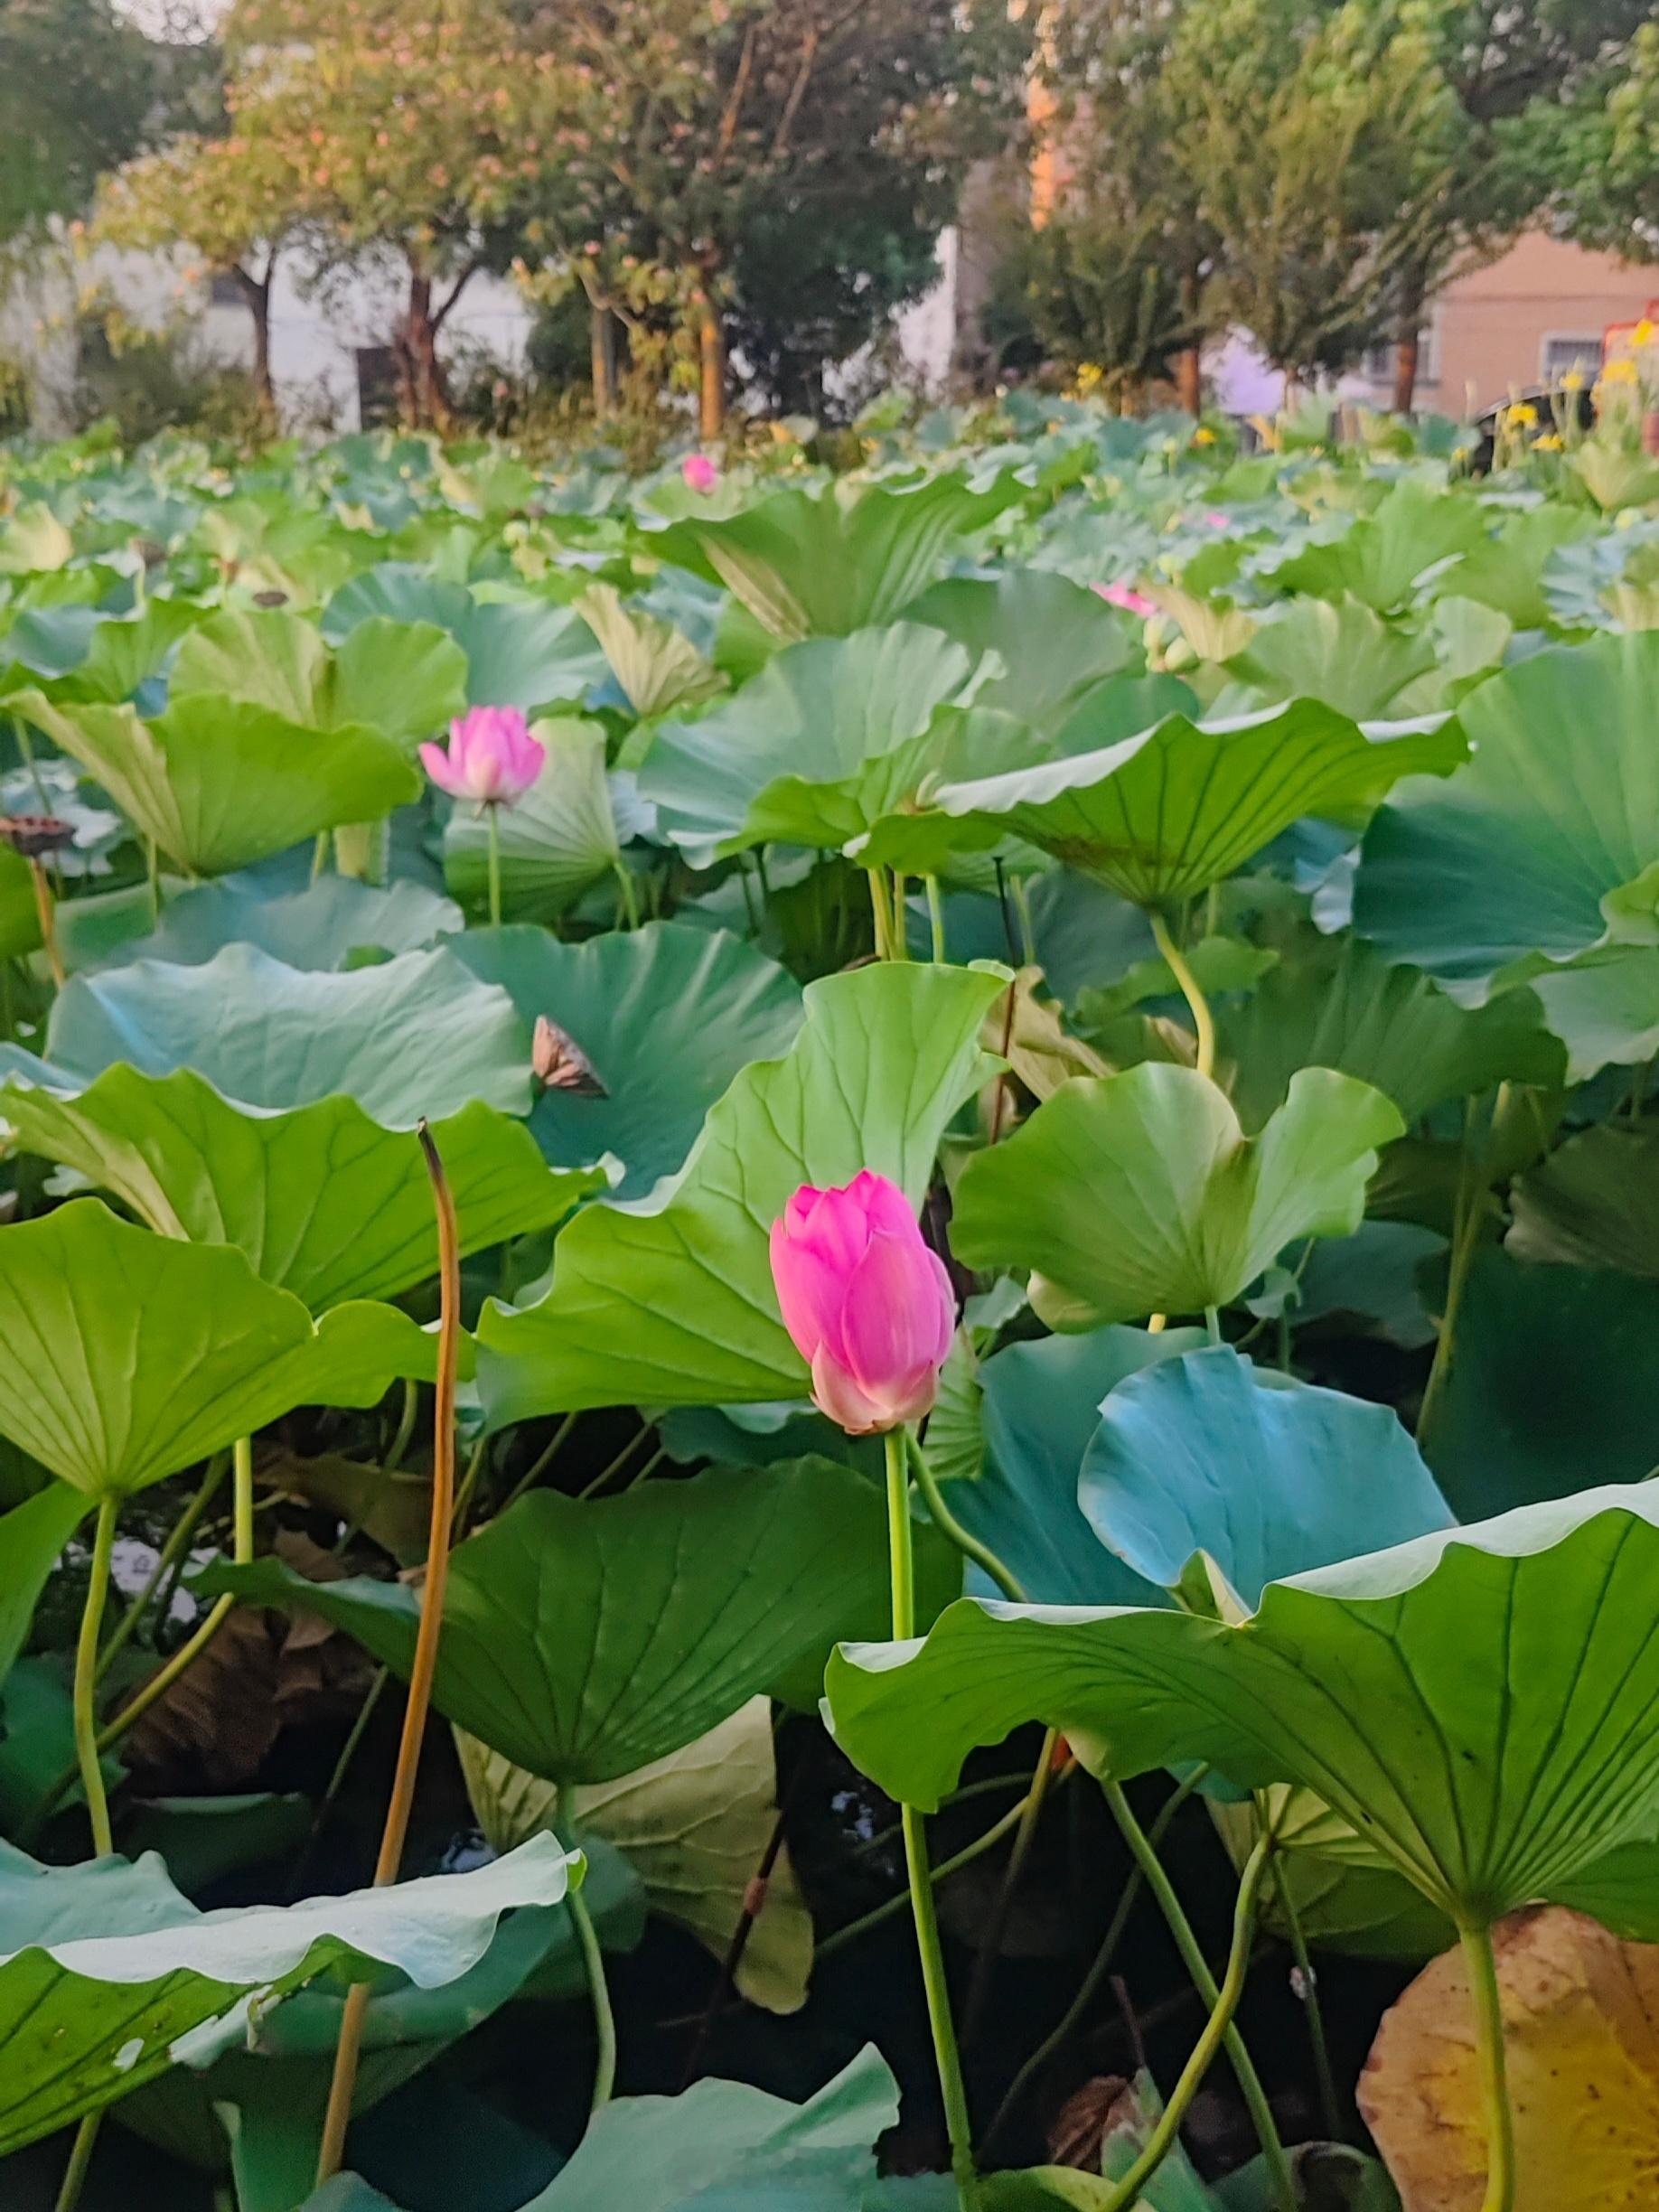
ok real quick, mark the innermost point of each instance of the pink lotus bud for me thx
(1122, 595)
(699, 472)
(490, 758)
(867, 1305)
(1216, 520)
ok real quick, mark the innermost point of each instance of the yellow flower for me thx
(1619, 372)
(1548, 444)
(1204, 436)
(1573, 381)
(1522, 417)
(1643, 334)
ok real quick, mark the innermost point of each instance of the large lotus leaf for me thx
(519, 652)
(1508, 570)
(324, 1201)
(133, 1356)
(1477, 1704)
(1173, 809)
(556, 842)
(1345, 1895)
(694, 1826)
(1042, 1402)
(1267, 1477)
(1336, 1002)
(406, 679)
(670, 1301)
(657, 666)
(416, 1036)
(1527, 849)
(125, 650)
(1138, 1194)
(1604, 1007)
(31, 1536)
(1415, 534)
(105, 1967)
(33, 538)
(584, 1638)
(217, 783)
(832, 734)
(667, 1015)
(1595, 1203)
(843, 558)
(320, 927)
(1344, 654)
(1057, 640)
(1553, 1386)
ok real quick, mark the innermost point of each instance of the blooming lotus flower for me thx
(867, 1304)
(699, 472)
(1122, 595)
(491, 758)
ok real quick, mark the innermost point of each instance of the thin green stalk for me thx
(630, 902)
(1494, 2069)
(616, 1464)
(1203, 1981)
(336, 1781)
(1022, 909)
(1335, 2127)
(948, 2059)
(950, 1527)
(153, 873)
(173, 1550)
(1176, 963)
(598, 1991)
(1002, 1825)
(1161, 2142)
(935, 915)
(541, 1463)
(1465, 1241)
(1212, 1322)
(80, 2159)
(1098, 1971)
(404, 1430)
(901, 924)
(86, 1677)
(880, 914)
(495, 867)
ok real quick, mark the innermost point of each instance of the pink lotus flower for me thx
(867, 1305)
(699, 472)
(1122, 595)
(1216, 520)
(491, 758)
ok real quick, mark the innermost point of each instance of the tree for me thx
(1321, 145)
(1608, 158)
(235, 203)
(688, 134)
(76, 84)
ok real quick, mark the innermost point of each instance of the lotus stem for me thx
(1335, 2126)
(598, 1991)
(1179, 966)
(86, 1677)
(935, 915)
(80, 2159)
(425, 1666)
(495, 866)
(950, 1527)
(1181, 1928)
(1482, 1967)
(47, 912)
(958, 2125)
(177, 1544)
(1225, 2004)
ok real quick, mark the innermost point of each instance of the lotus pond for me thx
(831, 1319)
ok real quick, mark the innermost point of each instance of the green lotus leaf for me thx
(1336, 1002)
(528, 653)
(416, 1036)
(1515, 859)
(125, 650)
(406, 679)
(1478, 1704)
(670, 1301)
(218, 783)
(1345, 1895)
(1603, 1006)
(843, 558)
(1055, 640)
(556, 842)
(33, 538)
(832, 734)
(1343, 654)
(1267, 1477)
(1593, 1203)
(322, 1200)
(323, 926)
(135, 1355)
(1416, 535)
(1506, 572)
(584, 1638)
(669, 1015)
(1170, 811)
(656, 665)
(104, 1968)
(32, 1537)
(1139, 1193)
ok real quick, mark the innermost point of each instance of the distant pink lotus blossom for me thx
(867, 1303)
(699, 472)
(491, 758)
(1124, 596)
(1216, 520)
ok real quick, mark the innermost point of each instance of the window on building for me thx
(1568, 352)
(376, 386)
(1378, 366)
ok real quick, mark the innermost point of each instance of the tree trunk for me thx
(711, 354)
(257, 294)
(1407, 347)
(1189, 380)
(602, 334)
(424, 398)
